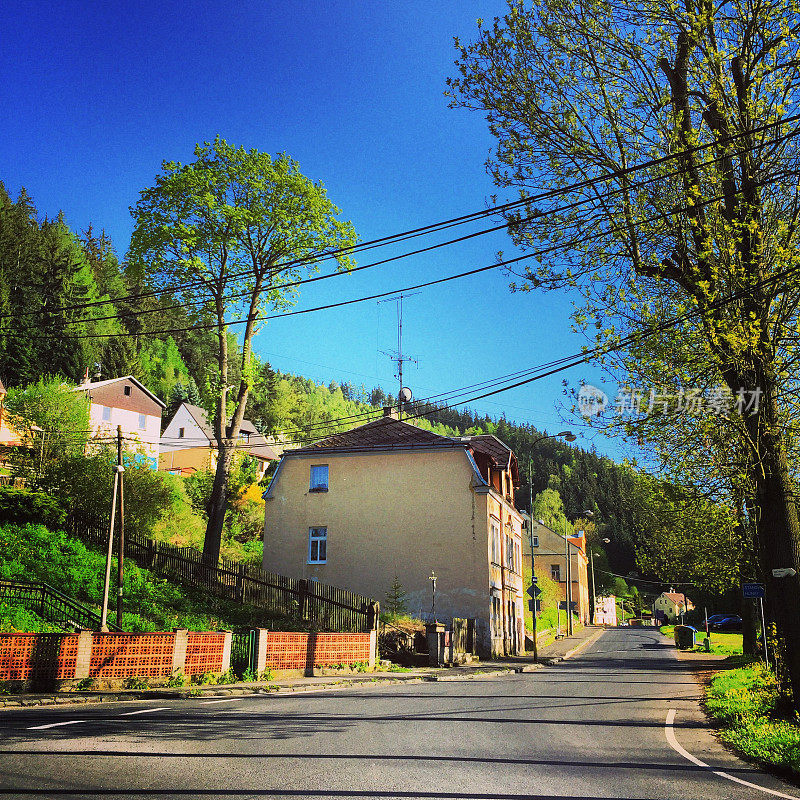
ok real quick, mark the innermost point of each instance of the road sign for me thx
(534, 591)
(752, 590)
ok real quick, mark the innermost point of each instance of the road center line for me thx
(673, 743)
(145, 711)
(55, 725)
(226, 700)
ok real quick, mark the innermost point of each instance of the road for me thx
(590, 727)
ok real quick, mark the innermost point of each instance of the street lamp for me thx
(591, 567)
(432, 579)
(568, 559)
(568, 436)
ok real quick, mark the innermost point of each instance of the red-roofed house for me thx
(670, 606)
(389, 499)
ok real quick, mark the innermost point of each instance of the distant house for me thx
(188, 443)
(390, 499)
(549, 556)
(670, 605)
(9, 435)
(605, 610)
(127, 403)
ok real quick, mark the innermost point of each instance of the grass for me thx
(34, 553)
(756, 717)
(724, 644)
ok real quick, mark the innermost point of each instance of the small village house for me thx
(549, 556)
(671, 605)
(605, 610)
(389, 499)
(189, 444)
(127, 403)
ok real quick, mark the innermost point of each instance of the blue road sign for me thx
(752, 590)
(534, 591)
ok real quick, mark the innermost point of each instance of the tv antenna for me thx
(404, 393)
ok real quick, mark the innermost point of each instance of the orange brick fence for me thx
(46, 659)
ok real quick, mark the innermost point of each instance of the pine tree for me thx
(395, 605)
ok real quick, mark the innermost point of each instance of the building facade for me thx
(670, 606)
(387, 500)
(188, 443)
(127, 403)
(549, 556)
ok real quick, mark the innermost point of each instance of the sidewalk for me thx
(552, 654)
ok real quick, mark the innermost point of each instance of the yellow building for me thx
(389, 499)
(189, 443)
(549, 556)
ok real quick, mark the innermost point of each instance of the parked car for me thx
(714, 618)
(731, 623)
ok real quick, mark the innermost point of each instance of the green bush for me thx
(756, 716)
(22, 505)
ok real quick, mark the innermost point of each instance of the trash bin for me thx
(685, 637)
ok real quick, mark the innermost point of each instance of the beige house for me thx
(188, 443)
(670, 606)
(549, 556)
(389, 499)
(129, 404)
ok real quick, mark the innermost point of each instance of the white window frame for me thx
(555, 568)
(318, 541)
(496, 553)
(106, 413)
(142, 422)
(535, 542)
(316, 485)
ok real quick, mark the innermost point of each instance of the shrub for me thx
(23, 505)
(178, 679)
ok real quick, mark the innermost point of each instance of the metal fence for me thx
(321, 606)
(50, 604)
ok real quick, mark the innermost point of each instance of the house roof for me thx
(380, 434)
(257, 444)
(676, 597)
(87, 387)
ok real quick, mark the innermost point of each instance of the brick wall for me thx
(308, 650)
(38, 658)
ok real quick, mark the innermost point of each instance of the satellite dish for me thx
(405, 394)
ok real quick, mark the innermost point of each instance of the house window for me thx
(127, 391)
(510, 553)
(106, 413)
(180, 432)
(495, 542)
(142, 422)
(534, 541)
(319, 478)
(317, 545)
(555, 572)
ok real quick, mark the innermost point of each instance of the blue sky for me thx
(97, 95)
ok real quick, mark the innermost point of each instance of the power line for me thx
(394, 238)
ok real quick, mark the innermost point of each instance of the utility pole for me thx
(397, 355)
(121, 535)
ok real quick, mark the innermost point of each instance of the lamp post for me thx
(594, 591)
(568, 436)
(432, 579)
(568, 559)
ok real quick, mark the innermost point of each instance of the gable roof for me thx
(676, 597)
(87, 387)
(380, 434)
(257, 444)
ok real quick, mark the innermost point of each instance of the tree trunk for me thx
(777, 529)
(217, 504)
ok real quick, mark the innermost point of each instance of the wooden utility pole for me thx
(121, 534)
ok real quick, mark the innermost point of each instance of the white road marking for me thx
(145, 711)
(227, 700)
(55, 725)
(591, 640)
(673, 743)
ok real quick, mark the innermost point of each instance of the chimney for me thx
(391, 412)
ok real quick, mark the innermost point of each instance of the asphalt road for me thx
(591, 727)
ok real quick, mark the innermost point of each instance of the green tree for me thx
(396, 605)
(588, 89)
(234, 227)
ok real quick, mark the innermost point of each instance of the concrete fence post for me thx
(84, 658)
(262, 635)
(226, 651)
(434, 632)
(179, 650)
(373, 647)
